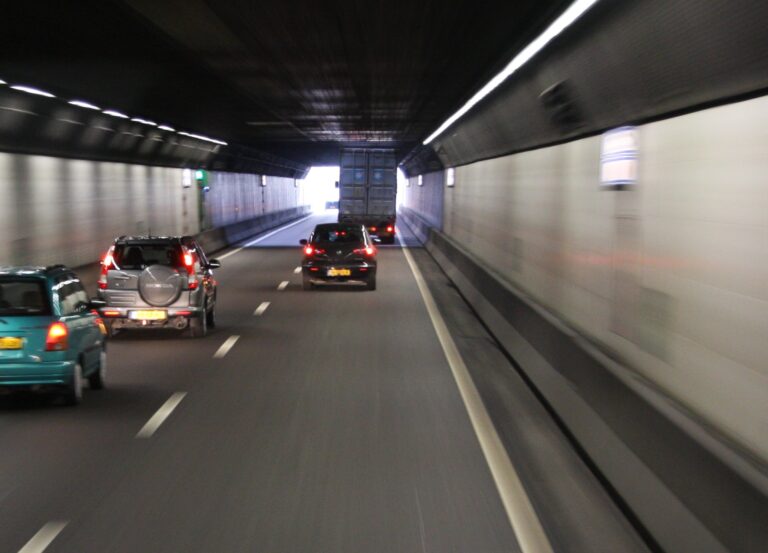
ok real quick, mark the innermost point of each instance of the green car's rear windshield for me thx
(20, 297)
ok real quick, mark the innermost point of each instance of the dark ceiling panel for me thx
(295, 78)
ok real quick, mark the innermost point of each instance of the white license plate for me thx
(148, 315)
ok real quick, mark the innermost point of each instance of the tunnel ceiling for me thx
(293, 78)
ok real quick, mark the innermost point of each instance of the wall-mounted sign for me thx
(420, 182)
(263, 180)
(450, 177)
(186, 178)
(619, 158)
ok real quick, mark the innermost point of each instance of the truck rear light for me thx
(57, 338)
(110, 313)
(390, 229)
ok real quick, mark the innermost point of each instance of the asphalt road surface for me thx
(326, 421)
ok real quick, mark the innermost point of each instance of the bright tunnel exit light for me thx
(566, 19)
(32, 90)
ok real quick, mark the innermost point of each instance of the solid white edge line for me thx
(44, 537)
(260, 238)
(233, 252)
(160, 415)
(226, 346)
(283, 285)
(520, 512)
(261, 309)
(281, 229)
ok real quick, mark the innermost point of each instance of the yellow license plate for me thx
(148, 315)
(339, 272)
(9, 342)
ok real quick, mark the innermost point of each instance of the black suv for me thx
(158, 282)
(338, 253)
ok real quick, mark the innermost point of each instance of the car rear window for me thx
(139, 256)
(338, 235)
(19, 297)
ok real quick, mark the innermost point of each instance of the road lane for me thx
(334, 425)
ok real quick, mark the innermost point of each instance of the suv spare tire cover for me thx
(160, 285)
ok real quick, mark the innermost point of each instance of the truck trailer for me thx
(368, 190)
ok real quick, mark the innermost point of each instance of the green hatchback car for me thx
(50, 335)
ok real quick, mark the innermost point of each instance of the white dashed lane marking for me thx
(44, 537)
(159, 417)
(225, 347)
(283, 285)
(261, 309)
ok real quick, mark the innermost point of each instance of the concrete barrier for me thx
(221, 237)
(687, 487)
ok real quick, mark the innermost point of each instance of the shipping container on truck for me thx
(368, 190)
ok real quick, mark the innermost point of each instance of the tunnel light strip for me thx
(86, 105)
(144, 121)
(32, 90)
(114, 113)
(201, 137)
(568, 17)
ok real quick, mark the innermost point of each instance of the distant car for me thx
(50, 335)
(150, 282)
(338, 253)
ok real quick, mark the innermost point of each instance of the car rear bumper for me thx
(359, 274)
(175, 317)
(56, 373)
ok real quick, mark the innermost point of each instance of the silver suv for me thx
(158, 282)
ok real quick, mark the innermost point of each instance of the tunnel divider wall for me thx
(221, 237)
(685, 487)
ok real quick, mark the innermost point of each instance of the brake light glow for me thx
(100, 324)
(373, 229)
(111, 313)
(390, 229)
(189, 264)
(310, 251)
(106, 265)
(369, 251)
(58, 337)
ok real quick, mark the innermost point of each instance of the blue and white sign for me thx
(619, 159)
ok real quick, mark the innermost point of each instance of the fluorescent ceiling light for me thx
(31, 90)
(2, 81)
(144, 121)
(85, 105)
(114, 113)
(201, 137)
(166, 128)
(574, 11)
